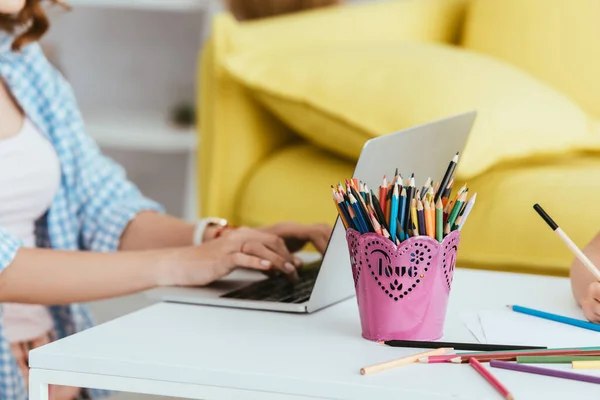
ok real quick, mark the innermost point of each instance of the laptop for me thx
(424, 150)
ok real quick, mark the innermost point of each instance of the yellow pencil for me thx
(586, 364)
(413, 216)
(384, 366)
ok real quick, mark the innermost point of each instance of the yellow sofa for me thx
(286, 104)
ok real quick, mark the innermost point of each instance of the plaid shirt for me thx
(94, 203)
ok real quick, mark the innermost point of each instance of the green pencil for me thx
(554, 359)
(525, 351)
(456, 208)
(439, 220)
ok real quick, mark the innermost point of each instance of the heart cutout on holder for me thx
(402, 290)
(449, 259)
(352, 238)
(397, 270)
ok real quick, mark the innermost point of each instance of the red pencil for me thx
(487, 375)
(383, 191)
(506, 355)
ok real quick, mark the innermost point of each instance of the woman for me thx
(585, 287)
(73, 229)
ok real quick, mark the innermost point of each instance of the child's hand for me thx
(591, 303)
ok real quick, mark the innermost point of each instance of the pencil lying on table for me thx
(487, 375)
(458, 346)
(554, 359)
(567, 240)
(513, 356)
(509, 355)
(556, 318)
(399, 362)
(545, 371)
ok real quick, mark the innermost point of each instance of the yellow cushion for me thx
(423, 20)
(555, 40)
(293, 184)
(339, 96)
(505, 233)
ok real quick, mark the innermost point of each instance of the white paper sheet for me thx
(504, 326)
(473, 324)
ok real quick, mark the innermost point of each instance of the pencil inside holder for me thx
(402, 290)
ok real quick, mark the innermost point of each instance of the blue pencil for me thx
(394, 212)
(402, 215)
(557, 318)
(358, 212)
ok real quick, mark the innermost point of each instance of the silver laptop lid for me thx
(426, 151)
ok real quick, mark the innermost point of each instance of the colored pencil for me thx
(362, 191)
(439, 221)
(430, 194)
(401, 235)
(399, 362)
(447, 176)
(456, 223)
(421, 217)
(376, 225)
(379, 212)
(402, 214)
(394, 211)
(458, 345)
(414, 217)
(587, 364)
(363, 210)
(446, 193)
(446, 230)
(460, 191)
(368, 198)
(492, 380)
(359, 215)
(554, 359)
(425, 188)
(383, 193)
(544, 371)
(507, 356)
(567, 240)
(429, 219)
(456, 208)
(556, 318)
(355, 221)
(511, 355)
(341, 207)
(467, 210)
(410, 193)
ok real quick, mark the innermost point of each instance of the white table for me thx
(218, 353)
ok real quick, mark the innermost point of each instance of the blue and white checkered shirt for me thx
(94, 203)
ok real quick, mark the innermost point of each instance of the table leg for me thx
(38, 388)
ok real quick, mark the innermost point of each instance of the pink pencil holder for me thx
(402, 291)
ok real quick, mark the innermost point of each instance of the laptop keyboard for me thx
(279, 288)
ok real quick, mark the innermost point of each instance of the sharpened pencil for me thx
(447, 175)
(385, 366)
(567, 241)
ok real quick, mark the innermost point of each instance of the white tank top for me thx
(29, 180)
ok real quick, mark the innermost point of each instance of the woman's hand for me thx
(242, 247)
(296, 236)
(591, 303)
